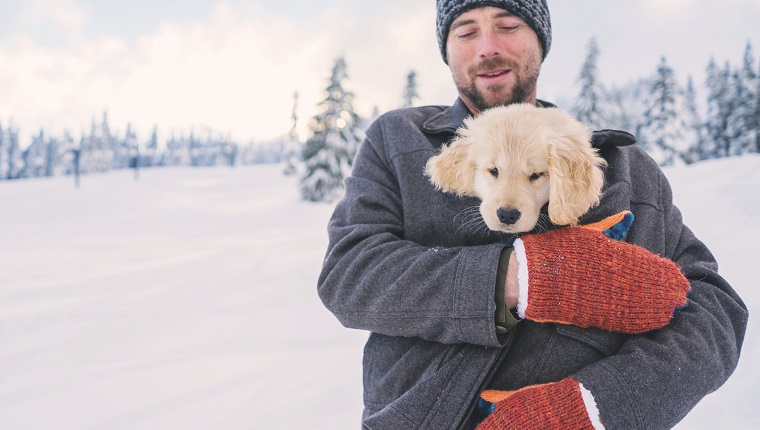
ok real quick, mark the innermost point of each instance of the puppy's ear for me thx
(575, 176)
(452, 170)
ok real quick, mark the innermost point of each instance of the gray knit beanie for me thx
(535, 13)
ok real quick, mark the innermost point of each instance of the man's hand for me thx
(559, 405)
(580, 276)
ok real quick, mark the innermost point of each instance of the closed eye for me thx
(509, 29)
(534, 177)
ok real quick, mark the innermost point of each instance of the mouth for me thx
(514, 230)
(494, 74)
(509, 229)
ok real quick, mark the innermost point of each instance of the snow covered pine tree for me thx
(410, 91)
(588, 106)
(329, 153)
(664, 129)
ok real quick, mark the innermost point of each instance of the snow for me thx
(187, 299)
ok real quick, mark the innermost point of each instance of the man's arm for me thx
(657, 378)
(373, 279)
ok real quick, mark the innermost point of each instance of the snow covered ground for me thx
(187, 300)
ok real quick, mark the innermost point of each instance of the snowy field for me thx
(187, 300)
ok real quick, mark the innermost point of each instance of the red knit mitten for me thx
(560, 405)
(579, 276)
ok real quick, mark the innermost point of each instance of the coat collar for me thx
(450, 119)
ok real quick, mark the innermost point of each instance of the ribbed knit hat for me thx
(535, 13)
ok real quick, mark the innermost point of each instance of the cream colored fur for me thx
(541, 155)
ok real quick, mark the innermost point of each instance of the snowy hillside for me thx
(187, 300)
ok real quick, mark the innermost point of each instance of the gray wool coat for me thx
(404, 264)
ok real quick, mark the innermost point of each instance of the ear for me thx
(575, 177)
(452, 170)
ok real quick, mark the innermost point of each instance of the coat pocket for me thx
(393, 365)
(572, 348)
(605, 342)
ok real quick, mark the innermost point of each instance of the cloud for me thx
(64, 15)
(236, 73)
(380, 59)
(666, 10)
(44, 87)
(235, 69)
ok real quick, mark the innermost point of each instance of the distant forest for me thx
(674, 123)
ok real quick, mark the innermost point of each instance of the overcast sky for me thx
(233, 66)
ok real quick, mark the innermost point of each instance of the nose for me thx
(488, 45)
(508, 216)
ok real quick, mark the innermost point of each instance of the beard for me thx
(524, 85)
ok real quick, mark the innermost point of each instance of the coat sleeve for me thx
(373, 279)
(655, 379)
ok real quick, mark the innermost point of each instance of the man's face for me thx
(494, 57)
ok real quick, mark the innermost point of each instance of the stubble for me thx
(524, 86)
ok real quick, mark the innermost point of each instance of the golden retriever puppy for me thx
(518, 158)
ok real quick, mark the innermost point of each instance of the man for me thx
(403, 265)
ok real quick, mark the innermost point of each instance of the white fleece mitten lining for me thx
(522, 276)
(591, 408)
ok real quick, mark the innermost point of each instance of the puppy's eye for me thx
(494, 172)
(535, 176)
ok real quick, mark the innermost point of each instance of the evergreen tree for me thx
(115, 147)
(694, 137)
(151, 149)
(65, 166)
(741, 127)
(53, 156)
(129, 150)
(120, 148)
(628, 105)
(12, 163)
(587, 108)
(247, 151)
(3, 154)
(42, 157)
(664, 127)
(410, 92)
(230, 151)
(197, 151)
(264, 152)
(204, 152)
(755, 122)
(34, 158)
(77, 160)
(719, 107)
(96, 155)
(292, 145)
(177, 152)
(329, 153)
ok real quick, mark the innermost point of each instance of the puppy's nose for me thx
(508, 216)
